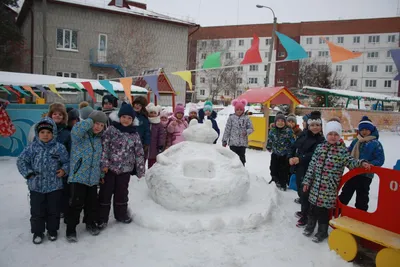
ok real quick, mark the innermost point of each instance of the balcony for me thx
(98, 58)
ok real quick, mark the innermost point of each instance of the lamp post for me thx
(271, 47)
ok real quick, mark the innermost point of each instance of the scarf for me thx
(124, 129)
(355, 153)
(154, 120)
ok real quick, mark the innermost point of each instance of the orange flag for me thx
(89, 88)
(29, 89)
(126, 84)
(339, 53)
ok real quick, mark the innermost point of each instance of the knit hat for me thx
(45, 126)
(85, 112)
(126, 109)
(314, 117)
(58, 107)
(306, 117)
(208, 106)
(239, 104)
(291, 117)
(73, 114)
(109, 99)
(140, 100)
(366, 123)
(153, 108)
(333, 126)
(98, 116)
(83, 104)
(164, 114)
(193, 109)
(280, 116)
(179, 108)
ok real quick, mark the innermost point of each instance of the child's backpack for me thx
(292, 182)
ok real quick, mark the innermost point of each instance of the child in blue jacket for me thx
(44, 163)
(365, 147)
(209, 113)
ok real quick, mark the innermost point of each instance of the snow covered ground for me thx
(276, 243)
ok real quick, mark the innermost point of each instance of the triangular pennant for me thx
(76, 86)
(212, 61)
(41, 88)
(339, 53)
(89, 89)
(19, 89)
(127, 85)
(186, 76)
(52, 88)
(395, 53)
(29, 89)
(12, 90)
(108, 86)
(252, 55)
(4, 89)
(293, 49)
(152, 82)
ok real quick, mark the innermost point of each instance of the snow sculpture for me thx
(196, 175)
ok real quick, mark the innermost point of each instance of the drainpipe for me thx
(44, 14)
(188, 57)
(32, 37)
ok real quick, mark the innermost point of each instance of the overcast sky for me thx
(233, 12)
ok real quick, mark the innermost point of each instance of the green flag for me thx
(4, 89)
(212, 61)
(75, 86)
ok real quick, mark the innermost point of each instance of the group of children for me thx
(318, 160)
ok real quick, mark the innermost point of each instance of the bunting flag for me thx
(252, 55)
(339, 53)
(76, 86)
(293, 49)
(152, 82)
(5, 90)
(395, 53)
(127, 85)
(19, 89)
(186, 76)
(41, 89)
(29, 89)
(212, 61)
(12, 90)
(52, 88)
(89, 89)
(108, 86)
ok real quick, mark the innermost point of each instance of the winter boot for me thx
(311, 223)
(302, 222)
(92, 229)
(297, 200)
(52, 235)
(322, 233)
(102, 225)
(298, 214)
(37, 238)
(127, 220)
(71, 235)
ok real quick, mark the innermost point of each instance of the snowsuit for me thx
(304, 148)
(175, 132)
(279, 143)
(122, 150)
(237, 130)
(38, 163)
(143, 128)
(212, 119)
(371, 151)
(157, 144)
(85, 173)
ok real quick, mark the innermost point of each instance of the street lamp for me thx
(271, 45)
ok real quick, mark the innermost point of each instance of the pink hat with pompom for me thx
(164, 114)
(239, 104)
(179, 108)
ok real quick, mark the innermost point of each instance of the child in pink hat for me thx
(176, 125)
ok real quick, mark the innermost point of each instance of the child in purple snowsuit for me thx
(158, 134)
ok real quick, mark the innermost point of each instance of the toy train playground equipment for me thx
(378, 231)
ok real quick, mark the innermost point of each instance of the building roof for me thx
(277, 95)
(352, 94)
(21, 79)
(102, 5)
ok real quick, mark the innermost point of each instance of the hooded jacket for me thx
(237, 130)
(39, 162)
(142, 125)
(280, 140)
(212, 118)
(158, 137)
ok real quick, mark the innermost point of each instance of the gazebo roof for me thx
(276, 95)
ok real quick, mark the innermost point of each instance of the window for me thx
(391, 38)
(240, 68)
(229, 43)
(101, 76)
(356, 39)
(338, 83)
(241, 55)
(370, 83)
(226, 92)
(239, 80)
(309, 40)
(353, 82)
(322, 41)
(281, 68)
(373, 39)
(372, 68)
(202, 80)
(388, 84)
(228, 55)
(338, 68)
(202, 92)
(323, 53)
(214, 80)
(67, 39)
(280, 80)
(203, 56)
(241, 42)
(214, 43)
(281, 54)
(67, 74)
(267, 41)
(266, 54)
(389, 68)
(253, 68)
(119, 3)
(253, 80)
(204, 44)
(373, 55)
(354, 68)
(340, 40)
(388, 54)
(309, 54)
(265, 67)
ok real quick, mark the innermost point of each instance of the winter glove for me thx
(85, 112)
(224, 144)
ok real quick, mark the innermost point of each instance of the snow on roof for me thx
(103, 4)
(354, 94)
(20, 79)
